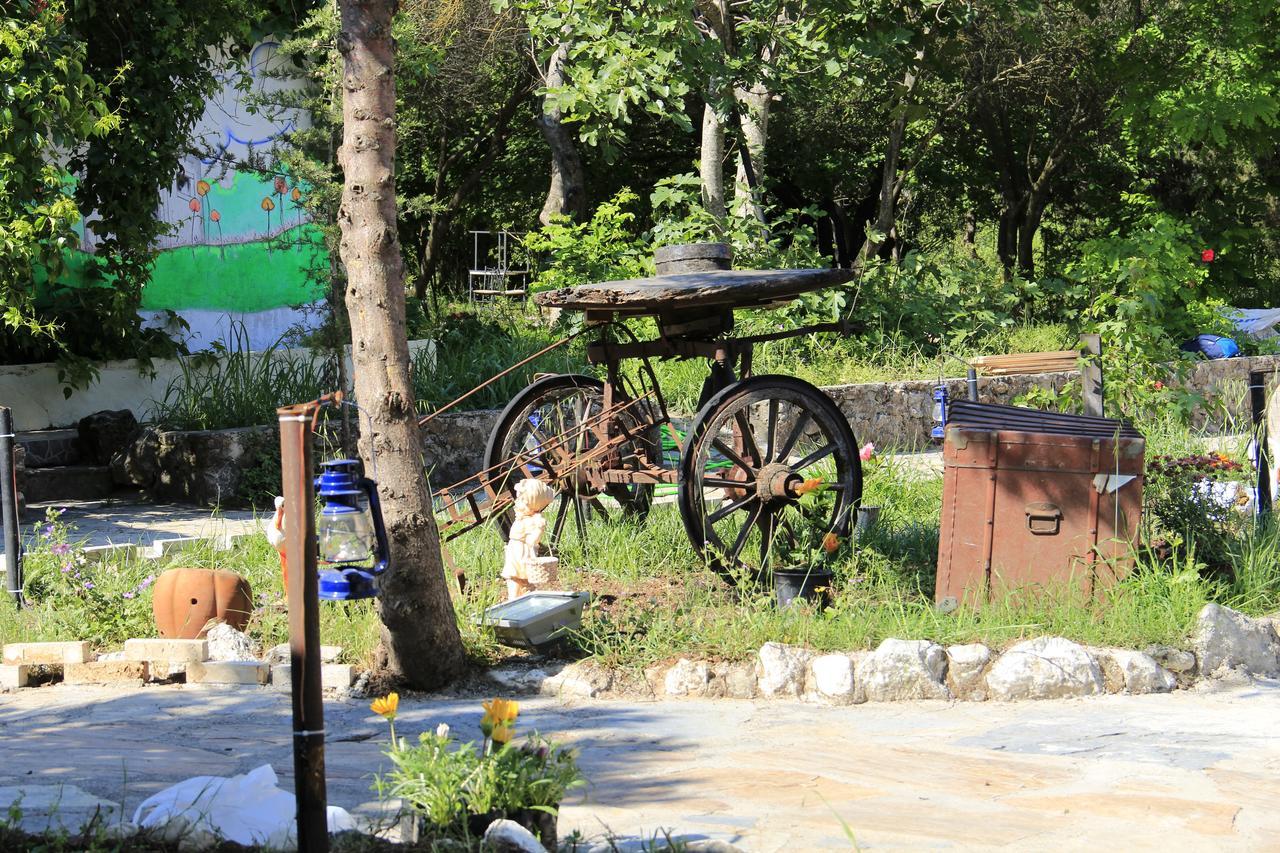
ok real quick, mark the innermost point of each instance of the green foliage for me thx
(604, 248)
(1144, 292)
(232, 386)
(51, 105)
(444, 781)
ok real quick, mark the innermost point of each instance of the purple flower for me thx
(146, 582)
(47, 530)
(88, 584)
(66, 567)
(130, 594)
(61, 548)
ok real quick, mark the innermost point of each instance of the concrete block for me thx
(328, 654)
(333, 676)
(130, 672)
(46, 653)
(13, 676)
(184, 651)
(227, 672)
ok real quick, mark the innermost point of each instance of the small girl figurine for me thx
(524, 569)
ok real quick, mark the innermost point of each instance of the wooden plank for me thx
(733, 288)
(1030, 362)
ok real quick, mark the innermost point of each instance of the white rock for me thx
(687, 678)
(517, 678)
(904, 669)
(833, 677)
(1174, 660)
(1225, 639)
(228, 644)
(1132, 672)
(507, 836)
(780, 669)
(583, 679)
(965, 667)
(1044, 668)
(739, 679)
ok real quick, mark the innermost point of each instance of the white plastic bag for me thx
(248, 809)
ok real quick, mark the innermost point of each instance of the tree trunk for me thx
(753, 118)
(420, 640)
(711, 164)
(971, 232)
(890, 181)
(567, 195)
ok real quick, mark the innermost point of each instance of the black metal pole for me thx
(9, 507)
(304, 627)
(971, 380)
(1258, 410)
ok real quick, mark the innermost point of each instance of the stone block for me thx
(328, 654)
(966, 665)
(1044, 668)
(46, 653)
(1128, 671)
(333, 676)
(832, 678)
(582, 679)
(904, 669)
(780, 669)
(687, 678)
(131, 672)
(14, 675)
(174, 651)
(1225, 639)
(227, 672)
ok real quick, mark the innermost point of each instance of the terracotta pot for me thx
(186, 601)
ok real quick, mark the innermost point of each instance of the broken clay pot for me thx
(187, 601)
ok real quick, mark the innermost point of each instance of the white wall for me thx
(35, 395)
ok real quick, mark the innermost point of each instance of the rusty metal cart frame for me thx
(756, 444)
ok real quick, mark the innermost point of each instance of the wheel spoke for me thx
(724, 483)
(728, 508)
(741, 541)
(794, 436)
(558, 527)
(732, 455)
(771, 430)
(766, 537)
(748, 438)
(815, 456)
(580, 515)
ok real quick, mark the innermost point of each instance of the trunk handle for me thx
(1043, 519)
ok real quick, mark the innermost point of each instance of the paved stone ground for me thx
(136, 522)
(1195, 771)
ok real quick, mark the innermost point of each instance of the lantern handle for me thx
(379, 529)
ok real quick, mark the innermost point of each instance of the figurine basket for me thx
(543, 571)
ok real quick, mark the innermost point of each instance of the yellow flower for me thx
(503, 732)
(498, 713)
(386, 706)
(830, 543)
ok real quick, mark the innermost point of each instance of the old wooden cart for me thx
(755, 445)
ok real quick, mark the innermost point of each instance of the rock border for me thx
(1225, 644)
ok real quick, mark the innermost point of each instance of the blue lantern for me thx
(939, 431)
(351, 538)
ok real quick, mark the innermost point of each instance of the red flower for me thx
(1208, 255)
(1158, 385)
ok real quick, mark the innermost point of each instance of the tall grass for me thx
(233, 386)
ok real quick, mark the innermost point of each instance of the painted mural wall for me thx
(242, 246)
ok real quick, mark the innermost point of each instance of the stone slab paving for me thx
(1191, 770)
(136, 522)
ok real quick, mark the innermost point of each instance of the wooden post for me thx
(1258, 411)
(304, 627)
(9, 508)
(1091, 376)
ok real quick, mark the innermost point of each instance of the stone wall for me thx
(453, 445)
(900, 414)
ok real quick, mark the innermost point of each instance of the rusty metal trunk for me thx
(1036, 499)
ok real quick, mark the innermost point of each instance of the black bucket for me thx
(808, 584)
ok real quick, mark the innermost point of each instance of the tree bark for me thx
(711, 164)
(567, 195)
(753, 118)
(420, 640)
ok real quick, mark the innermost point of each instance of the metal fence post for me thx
(9, 507)
(304, 627)
(1258, 411)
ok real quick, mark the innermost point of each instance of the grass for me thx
(654, 601)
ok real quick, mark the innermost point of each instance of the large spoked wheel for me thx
(753, 450)
(543, 427)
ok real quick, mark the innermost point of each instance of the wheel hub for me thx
(776, 481)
